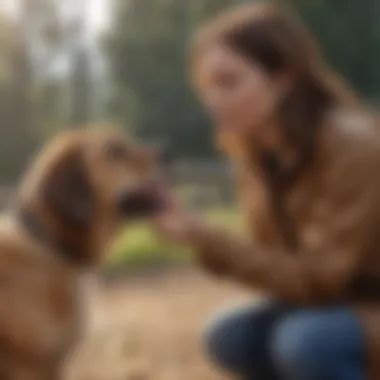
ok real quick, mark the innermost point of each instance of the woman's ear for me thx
(66, 190)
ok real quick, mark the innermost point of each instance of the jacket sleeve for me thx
(345, 218)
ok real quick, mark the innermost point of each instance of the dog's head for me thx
(94, 174)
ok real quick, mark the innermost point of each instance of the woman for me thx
(307, 159)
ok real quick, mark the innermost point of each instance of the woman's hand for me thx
(176, 223)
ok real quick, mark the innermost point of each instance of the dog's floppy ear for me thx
(66, 190)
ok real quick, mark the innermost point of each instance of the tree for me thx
(80, 79)
(148, 55)
(21, 82)
(349, 34)
(19, 138)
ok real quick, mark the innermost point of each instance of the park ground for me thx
(146, 318)
(148, 327)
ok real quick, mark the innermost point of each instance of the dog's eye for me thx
(117, 152)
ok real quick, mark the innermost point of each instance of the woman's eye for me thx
(117, 152)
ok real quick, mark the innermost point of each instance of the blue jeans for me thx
(274, 341)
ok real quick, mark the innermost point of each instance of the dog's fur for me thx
(68, 208)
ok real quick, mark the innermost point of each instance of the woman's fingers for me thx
(176, 225)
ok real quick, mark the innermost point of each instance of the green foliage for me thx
(16, 103)
(349, 34)
(148, 55)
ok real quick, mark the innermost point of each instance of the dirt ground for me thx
(148, 328)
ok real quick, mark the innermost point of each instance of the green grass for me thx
(137, 246)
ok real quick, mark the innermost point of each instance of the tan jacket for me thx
(335, 210)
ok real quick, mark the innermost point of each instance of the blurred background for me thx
(77, 63)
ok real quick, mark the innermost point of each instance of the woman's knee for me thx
(298, 350)
(234, 339)
(312, 346)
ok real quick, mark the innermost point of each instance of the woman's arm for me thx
(345, 221)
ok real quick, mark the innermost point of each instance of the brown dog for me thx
(71, 203)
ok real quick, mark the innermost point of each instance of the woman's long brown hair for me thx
(275, 39)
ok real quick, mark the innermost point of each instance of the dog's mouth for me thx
(141, 203)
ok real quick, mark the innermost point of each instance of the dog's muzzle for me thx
(140, 203)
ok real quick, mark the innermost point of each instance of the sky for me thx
(97, 11)
(96, 19)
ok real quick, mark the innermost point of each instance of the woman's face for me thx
(239, 96)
